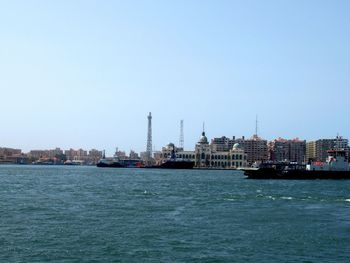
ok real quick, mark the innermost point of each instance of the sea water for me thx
(89, 214)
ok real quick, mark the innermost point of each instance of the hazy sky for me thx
(86, 73)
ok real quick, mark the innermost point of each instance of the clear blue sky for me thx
(86, 73)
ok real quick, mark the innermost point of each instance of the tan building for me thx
(255, 148)
(310, 151)
(281, 150)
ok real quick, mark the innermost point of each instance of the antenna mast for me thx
(149, 136)
(256, 126)
(182, 140)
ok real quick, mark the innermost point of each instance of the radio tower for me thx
(182, 140)
(149, 136)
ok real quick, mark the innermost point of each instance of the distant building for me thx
(56, 155)
(37, 154)
(9, 151)
(12, 156)
(133, 155)
(317, 150)
(95, 156)
(76, 155)
(287, 150)
(310, 152)
(218, 154)
(83, 156)
(255, 148)
(223, 144)
(207, 156)
(119, 154)
(234, 158)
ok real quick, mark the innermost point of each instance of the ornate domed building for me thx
(207, 156)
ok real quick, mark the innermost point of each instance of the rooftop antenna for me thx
(256, 126)
(337, 142)
(182, 140)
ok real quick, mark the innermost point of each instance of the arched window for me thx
(203, 156)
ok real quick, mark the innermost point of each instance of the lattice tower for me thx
(149, 136)
(182, 139)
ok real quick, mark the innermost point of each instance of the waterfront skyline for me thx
(86, 73)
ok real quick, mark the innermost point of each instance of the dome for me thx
(203, 138)
(171, 146)
(236, 146)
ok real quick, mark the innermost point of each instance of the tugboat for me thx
(335, 167)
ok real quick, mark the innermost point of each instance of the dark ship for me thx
(335, 167)
(118, 162)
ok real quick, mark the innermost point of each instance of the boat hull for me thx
(174, 165)
(110, 165)
(270, 173)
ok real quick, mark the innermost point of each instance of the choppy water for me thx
(86, 214)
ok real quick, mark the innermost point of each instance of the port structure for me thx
(182, 139)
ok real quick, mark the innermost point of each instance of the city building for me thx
(223, 143)
(206, 156)
(317, 150)
(256, 149)
(12, 156)
(133, 155)
(95, 156)
(281, 150)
